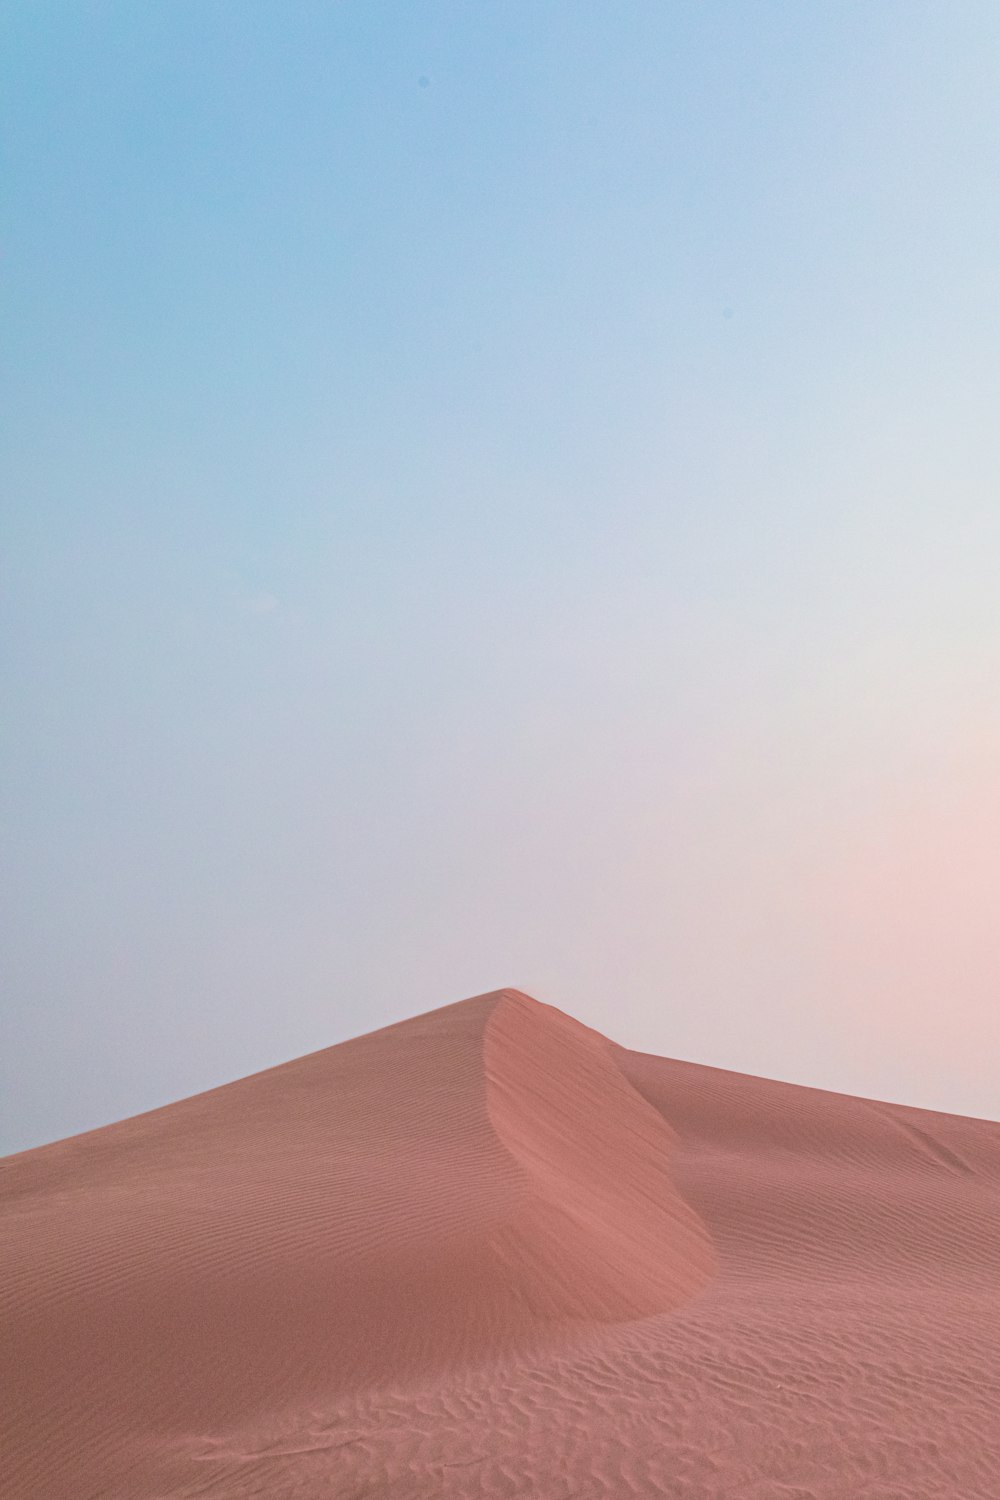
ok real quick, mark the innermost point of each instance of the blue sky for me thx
(499, 494)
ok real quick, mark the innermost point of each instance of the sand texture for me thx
(486, 1252)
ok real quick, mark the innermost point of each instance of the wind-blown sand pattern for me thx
(487, 1253)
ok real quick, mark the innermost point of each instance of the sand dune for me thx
(488, 1253)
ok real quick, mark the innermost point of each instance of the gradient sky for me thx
(499, 494)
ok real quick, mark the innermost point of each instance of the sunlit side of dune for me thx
(486, 1252)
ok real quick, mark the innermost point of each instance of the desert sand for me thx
(486, 1252)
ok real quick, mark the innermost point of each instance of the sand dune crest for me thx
(611, 1237)
(434, 1196)
(485, 1253)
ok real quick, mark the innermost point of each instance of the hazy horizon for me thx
(499, 496)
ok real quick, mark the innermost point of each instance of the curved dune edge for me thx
(606, 1235)
(443, 1194)
(431, 1263)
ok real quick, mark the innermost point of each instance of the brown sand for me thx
(488, 1253)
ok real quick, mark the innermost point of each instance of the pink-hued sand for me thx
(488, 1253)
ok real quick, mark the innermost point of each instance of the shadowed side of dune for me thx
(431, 1196)
(604, 1233)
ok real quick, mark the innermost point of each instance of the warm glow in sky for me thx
(499, 494)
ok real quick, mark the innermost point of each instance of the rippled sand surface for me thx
(488, 1253)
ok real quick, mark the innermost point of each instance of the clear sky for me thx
(499, 494)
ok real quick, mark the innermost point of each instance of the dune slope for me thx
(486, 1252)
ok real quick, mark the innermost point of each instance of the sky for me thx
(499, 494)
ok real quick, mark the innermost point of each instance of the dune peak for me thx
(486, 1251)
